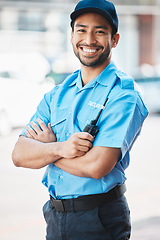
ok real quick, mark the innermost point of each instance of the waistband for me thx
(87, 202)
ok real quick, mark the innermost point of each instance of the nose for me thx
(90, 38)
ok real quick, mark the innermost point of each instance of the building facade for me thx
(44, 26)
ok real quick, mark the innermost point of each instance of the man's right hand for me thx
(77, 145)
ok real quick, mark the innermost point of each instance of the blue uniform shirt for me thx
(70, 106)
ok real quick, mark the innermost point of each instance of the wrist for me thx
(56, 150)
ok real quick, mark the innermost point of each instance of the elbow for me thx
(101, 162)
(96, 175)
(96, 172)
(18, 153)
(16, 159)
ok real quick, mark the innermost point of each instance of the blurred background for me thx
(36, 55)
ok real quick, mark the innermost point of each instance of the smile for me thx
(89, 50)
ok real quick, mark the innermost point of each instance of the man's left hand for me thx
(43, 133)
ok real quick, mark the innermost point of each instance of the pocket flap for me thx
(58, 116)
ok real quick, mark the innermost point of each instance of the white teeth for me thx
(89, 50)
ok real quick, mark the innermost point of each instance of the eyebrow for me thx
(97, 27)
(103, 27)
(80, 25)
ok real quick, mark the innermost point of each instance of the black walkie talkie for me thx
(92, 128)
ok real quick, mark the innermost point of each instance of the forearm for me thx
(30, 153)
(34, 153)
(73, 166)
(96, 163)
(79, 166)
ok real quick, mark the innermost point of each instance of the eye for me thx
(100, 32)
(81, 30)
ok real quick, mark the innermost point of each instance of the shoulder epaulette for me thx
(126, 81)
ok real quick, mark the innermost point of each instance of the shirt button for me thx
(61, 177)
(68, 134)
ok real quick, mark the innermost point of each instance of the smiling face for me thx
(92, 40)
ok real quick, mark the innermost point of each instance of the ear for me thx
(71, 37)
(115, 40)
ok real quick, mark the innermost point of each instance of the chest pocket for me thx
(58, 122)
(85, 116)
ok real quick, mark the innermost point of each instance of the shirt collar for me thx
(76, 73)
(105, 78)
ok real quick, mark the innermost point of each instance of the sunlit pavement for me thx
(22, 194)
(144, 182)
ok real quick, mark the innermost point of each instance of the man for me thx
(85, 174)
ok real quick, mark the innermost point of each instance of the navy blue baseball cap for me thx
(102, 7)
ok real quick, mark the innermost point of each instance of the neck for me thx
(89, 73)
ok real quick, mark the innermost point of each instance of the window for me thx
(31, 21)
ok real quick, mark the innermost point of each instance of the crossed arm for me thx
(75, 156)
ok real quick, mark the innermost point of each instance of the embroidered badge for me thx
(96, 105)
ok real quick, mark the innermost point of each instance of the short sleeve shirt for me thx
(69, 107)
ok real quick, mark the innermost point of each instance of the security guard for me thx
(85, 173)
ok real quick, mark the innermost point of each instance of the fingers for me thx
(41, 124)
(84, 142)
(77, 145)
(34, 130)
(84, 145)
(85, 135)
(83, 148)
(35, 127)
(50, 128)
(30, 132)
(40, 132)
(80, 153)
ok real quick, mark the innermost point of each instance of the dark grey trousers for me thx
(108, 222)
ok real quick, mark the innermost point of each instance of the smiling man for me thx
(83, 131)
(92, 43)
